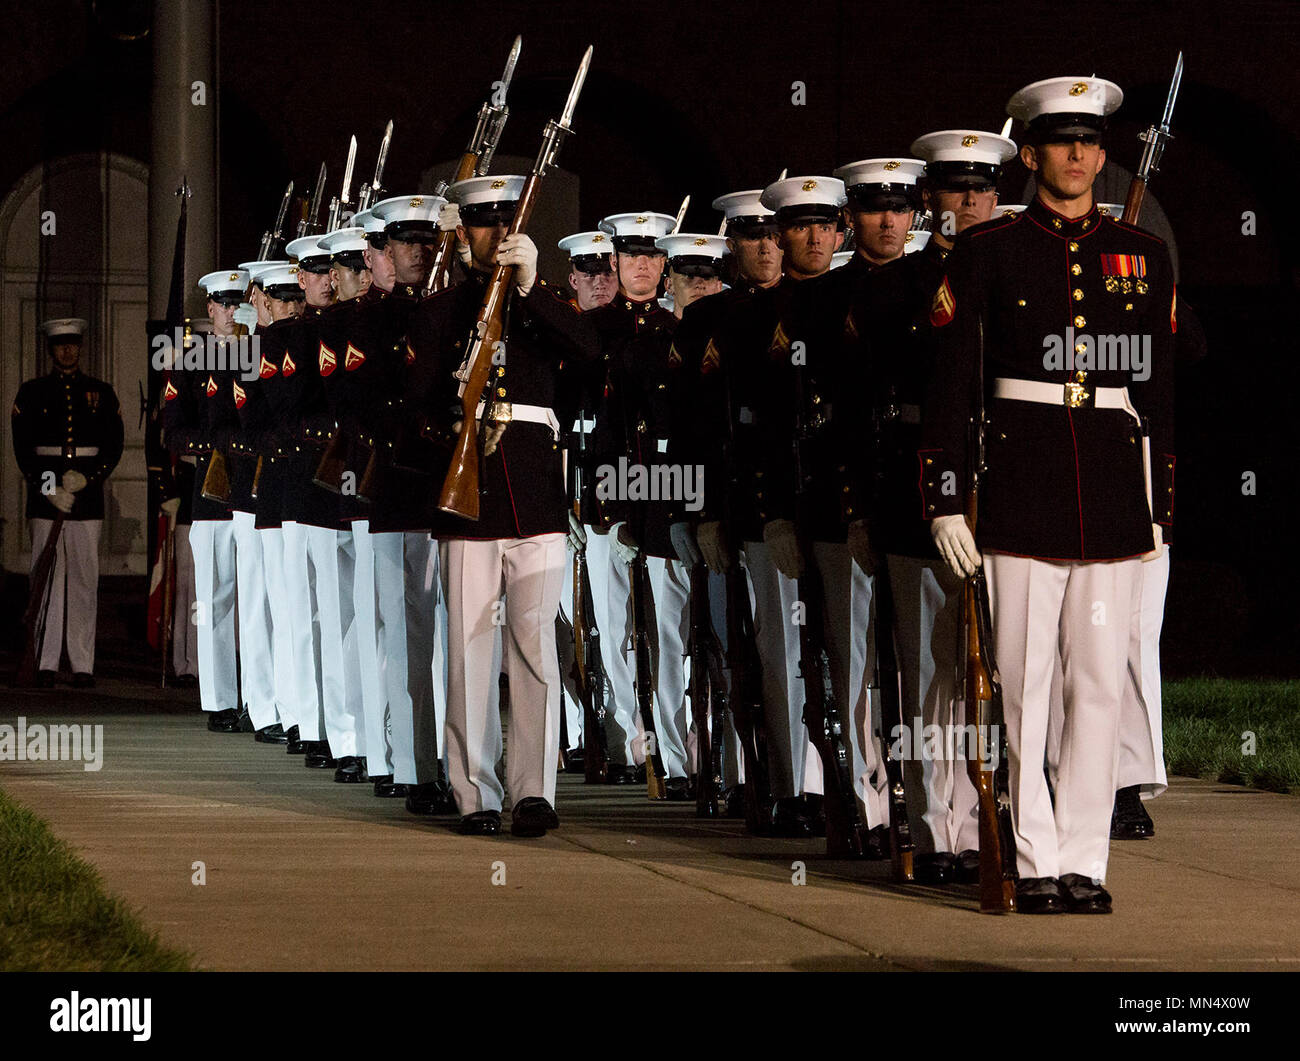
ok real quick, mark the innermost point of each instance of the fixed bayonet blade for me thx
(345, 198)
(783, 173)
(1006, 127)
(377, 183)
(283, 212)
(1173, 94)
(681, 215)
(509, 72)
(313, 211)
(576, 90)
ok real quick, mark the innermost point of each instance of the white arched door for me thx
(87, 215)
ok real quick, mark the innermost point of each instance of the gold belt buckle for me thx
(1076, 395)
(501, 412)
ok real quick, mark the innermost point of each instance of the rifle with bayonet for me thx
(656, 777)
(588, 669)
(475, 162)
(982, 690)
(460, 488)
(1155, 137)
(846, 833)
(310, 223)
(344, 199)
(370, 192)
(708, 692)
(275, 234)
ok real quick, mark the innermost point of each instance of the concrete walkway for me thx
(306, 874)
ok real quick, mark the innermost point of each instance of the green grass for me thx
(55, 915)
(1206, 720)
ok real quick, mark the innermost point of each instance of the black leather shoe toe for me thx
(1130, 820)
(618, 774)
(83, 681)
(480, 823)
(294, 744)
(272, 734)
(734, 798)
(318, 755)
(877, 844)
(966, 870)
(935, 867)
(678, 789)
(790, 818)
(226, 721)
(1083, 896)
(1040, 895)
(432, 797)
(532, 816)
(245, 722)
(351, 770)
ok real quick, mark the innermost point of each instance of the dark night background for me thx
(696, 98)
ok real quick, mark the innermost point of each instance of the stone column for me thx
(184, 129)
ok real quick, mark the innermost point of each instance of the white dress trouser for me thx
(304, 661)
(365, 609)
(942, 803)
(611, 595)
(411, 639)
(332, 560)
(669, 620)
(213, 541)
(73, 592)
(572, 703)
(529, 574)
(1141, 732)
(256, 670)
(1082, 613)
(185, 641)
(283, 667)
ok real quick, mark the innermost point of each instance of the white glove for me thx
(449, 217)
(683, 540)
(62, 499)
(519, 250)
(73, 481)
(577, 535)
(491, 437)
(956, 544)
(246, 315)
(713, 546)
(170, 507)
(624, 545)
(861, 547)
(1158, 533)
(784, 544)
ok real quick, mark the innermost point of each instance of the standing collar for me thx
(1064, 227)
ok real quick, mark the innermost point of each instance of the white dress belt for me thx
(529, 414)
(58, 451)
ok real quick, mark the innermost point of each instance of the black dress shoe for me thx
(573, 762)
(935, 867)
(877, 844)
(385, 788)
(734, 800)
(83, 681)
(432, 797)
(45, 679)
(1129, 820)
(318, 755)
(351, 770)
(186, 681)
(226, 721)
(245, 722)
(678, 789)
(1040, 895)
(638, 774)
(272, 734)
(532, 816)
(1082, 896)
(621, 775)
(480, 823)
(966, 870)
(790, 818)
(294, 745)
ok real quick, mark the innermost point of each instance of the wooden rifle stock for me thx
(1137, 191)
(332, 465)
(169, 594)
(445, 250)
(746, 703)
(590, 675)
(708, 696)
(901, 848)
(33, 619)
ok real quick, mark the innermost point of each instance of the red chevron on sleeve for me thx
(944, 306)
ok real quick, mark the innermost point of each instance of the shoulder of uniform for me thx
(995, 224)
(1135, 230)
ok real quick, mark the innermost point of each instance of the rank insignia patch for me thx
(410, 355)
(712, 360)
(1123, 265)
(169, 392)
(353, 359)
(1173, 311)
(944, 306)
(240, 396)
(265, 369)
(211, 387)
(327, 360)
(288, 368)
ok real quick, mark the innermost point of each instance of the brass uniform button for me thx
(1073, 245)
(1079, 322)
(1078, 294)
(1076, 268)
